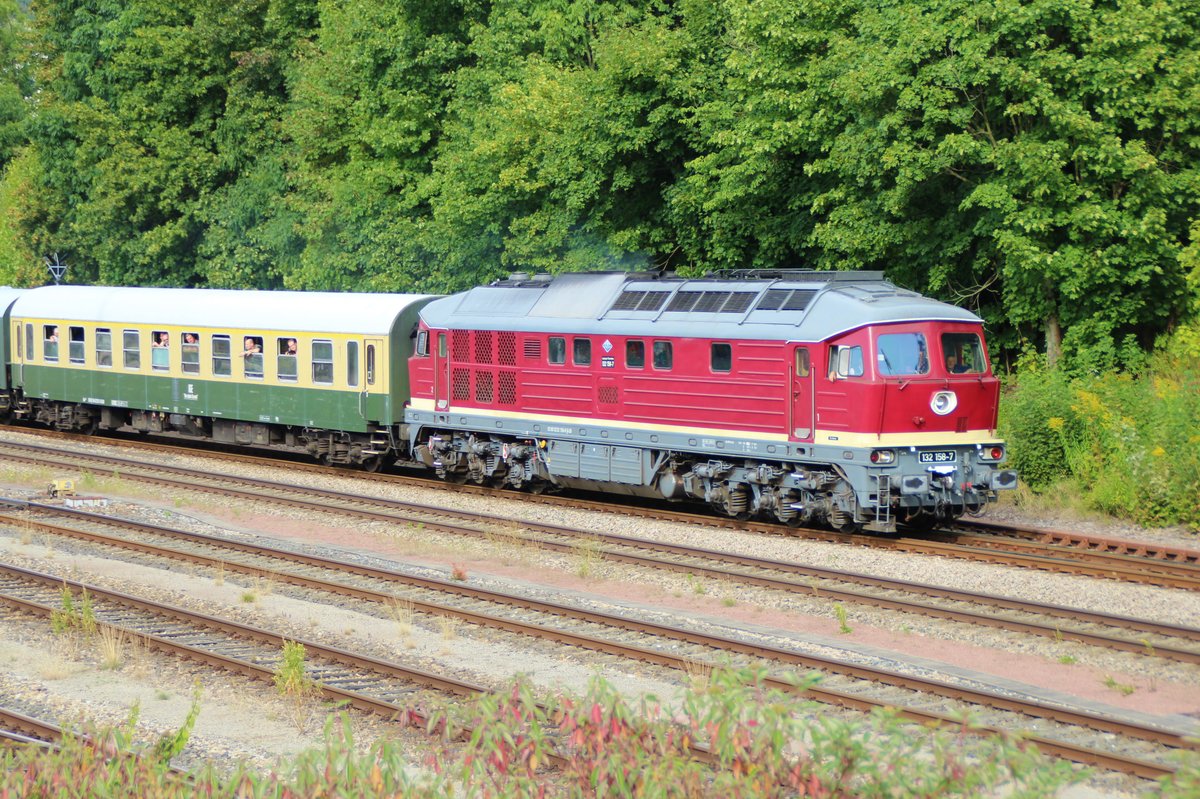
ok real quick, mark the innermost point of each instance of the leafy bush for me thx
(763, 744)
(1128, 440)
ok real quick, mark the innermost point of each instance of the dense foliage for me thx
(763, 745)
(1038, 160)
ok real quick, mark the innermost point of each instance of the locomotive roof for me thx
(318, 312)
(795, 305)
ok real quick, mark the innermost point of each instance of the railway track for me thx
(1120, 633)
(857, 687)
(18, 728)
(1049, 550)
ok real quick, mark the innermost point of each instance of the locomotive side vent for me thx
(738, 302)
(483, 346)
(684, 300)
(460, 386)
(653, 300)
(460, 345)
(608, 395)
(628, 301)
(533, 349)
(506, 348)
(508, 388)
(483, 387)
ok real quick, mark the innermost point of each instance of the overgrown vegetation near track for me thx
(1127, 443)
(612, 748)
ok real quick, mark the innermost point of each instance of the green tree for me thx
(1034, 158)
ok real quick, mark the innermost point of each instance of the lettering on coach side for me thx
(191, 394)
(93, 401)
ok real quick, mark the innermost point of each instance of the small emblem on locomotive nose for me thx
(607, 345)
(943, 402)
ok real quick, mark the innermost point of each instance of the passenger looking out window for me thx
(252, 359)
(50, 342)
(289, 352)
(160, 355)
(191, 353)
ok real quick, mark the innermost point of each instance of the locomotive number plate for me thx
(937, 456)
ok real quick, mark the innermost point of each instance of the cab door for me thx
(441, 371)
(800, 380)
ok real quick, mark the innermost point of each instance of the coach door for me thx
(800, 370)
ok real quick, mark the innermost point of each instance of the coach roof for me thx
(316, 312)
(806, 306)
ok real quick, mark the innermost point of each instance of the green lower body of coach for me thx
(237, 412)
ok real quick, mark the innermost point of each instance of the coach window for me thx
(50, 342)
(322, 362)
(76, 352)
(635, 354)
(803, 365)
(663, 357)
(352, 363)
(160, 350)
(103, 346)
(581, 351)
(252, 357)
(423, 344)
(131, 346)
(222, 358)
(370, 364)
(721, 357)
(557, 351)
(190, 350)
(288, 350)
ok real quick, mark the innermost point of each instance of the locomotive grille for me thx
(483, 387)
(533, 349)
(506, 349)
(460, 345)
(483, 346)
(608, 395)
(508, 388)
(460, 386)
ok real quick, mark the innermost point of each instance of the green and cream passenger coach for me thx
(323, 373)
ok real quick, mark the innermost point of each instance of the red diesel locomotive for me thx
(831, 397)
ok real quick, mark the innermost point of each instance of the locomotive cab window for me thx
(581, 351)
(131, 349)
(558, 350)
(160, 350)
(252, 357)
(77, 344)
(441, 345)
(422, 343)
(222, 358)
(50, 342)
(190, 350)
(287, 352)
(322, 362)
(902, 354)
(846, 362)
(103, 346)
(963, 353)
(635, 354)
(721, 357)
(663, 355)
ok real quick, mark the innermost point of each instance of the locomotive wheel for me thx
(372, 464)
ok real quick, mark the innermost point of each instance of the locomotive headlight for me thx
(883, 456)
(992, 453)
(943, 402)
